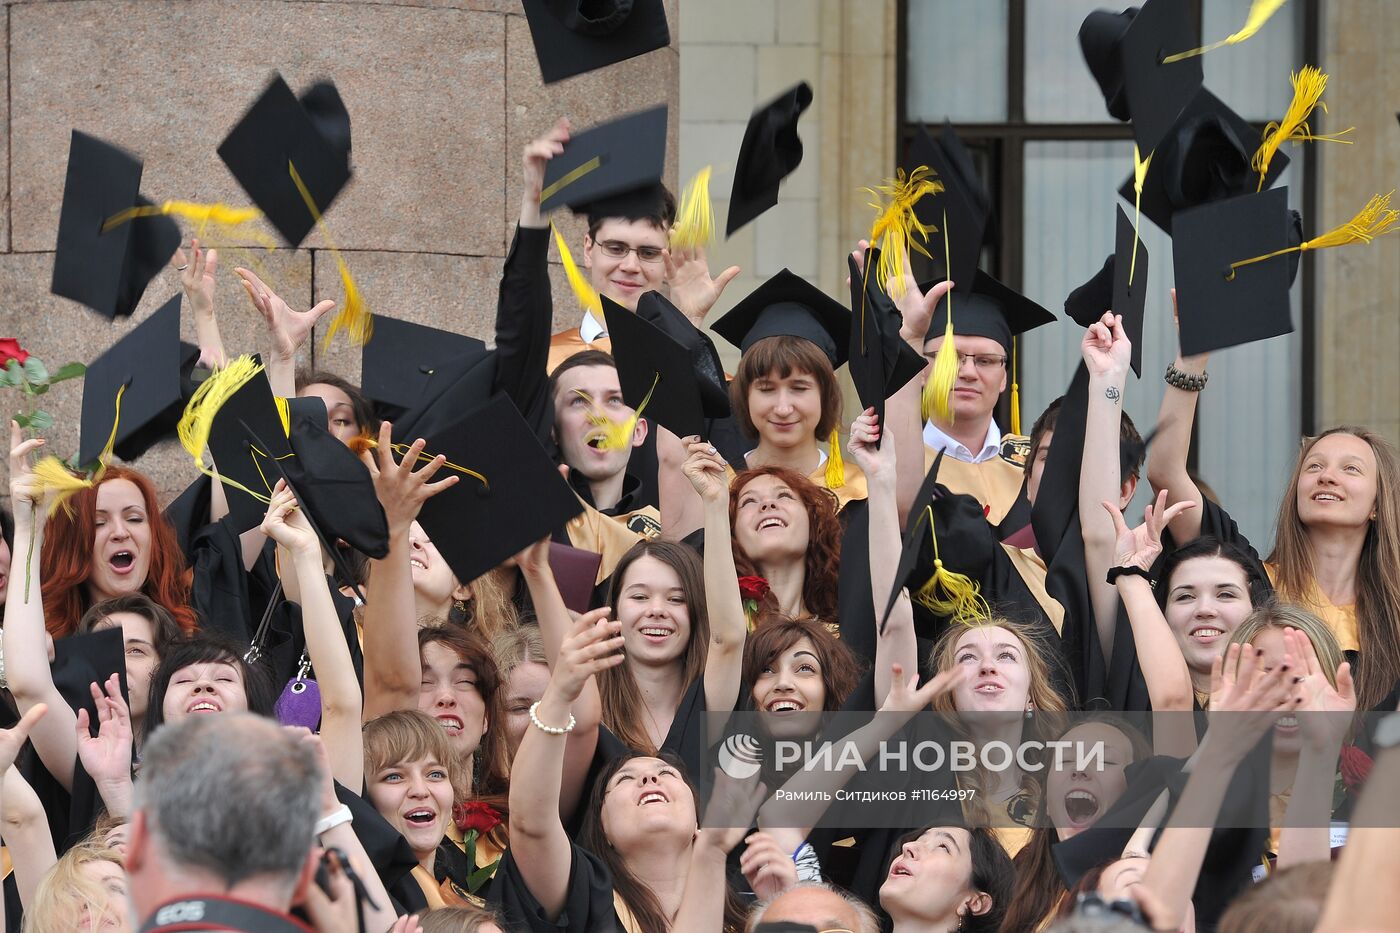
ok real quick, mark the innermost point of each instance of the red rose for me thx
(11, 350)
(754, 588)
(1355, 767)
(474, 815)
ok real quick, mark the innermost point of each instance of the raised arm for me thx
(107, 756)
(538, 842)
(393, 672)
(22, 821)
(287, 331)
(704, 467)
(197, 281)
(725, 824)
(1167, 457)
(1106, 352)
(25, 639)
(897, 643)
(286, 524)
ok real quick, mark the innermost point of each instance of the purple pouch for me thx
(300, 702)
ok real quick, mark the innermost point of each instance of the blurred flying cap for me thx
(515, 498)
(250, 412)
(788, 306)
(881, 362)
(401, 357)
(572, 37)
(708, 372)
(1220, 306)
(1100, 35)
(990, 309)
(107, 268)
(145, 368)
(654, 371)
(1110, 290)
(964, 204)
(1158, 92)
(612, 170)
(278, 131)
(771, 151)
(1204, 157)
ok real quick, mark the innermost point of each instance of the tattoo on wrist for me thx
(1112, 394)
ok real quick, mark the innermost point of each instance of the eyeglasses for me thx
(982, 361)
(619, 250)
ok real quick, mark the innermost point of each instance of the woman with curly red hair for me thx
(112, 542)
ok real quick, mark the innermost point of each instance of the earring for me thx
(1030, 713)
(460, 605)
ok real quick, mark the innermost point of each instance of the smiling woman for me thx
(786, 530)
(206, 674)
(113, 543)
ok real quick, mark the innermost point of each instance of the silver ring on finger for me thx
(182, 268)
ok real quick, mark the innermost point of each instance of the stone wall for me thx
(442, 94)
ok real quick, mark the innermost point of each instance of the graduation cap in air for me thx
(572, 37)
(103, 260)
(399, 360)
(1227, 293)
(1205, 156)
(771, 151)
(150, 369)
(281, 132)
(1126, 53)
(655, 372)
(1111, 290)
(79, 661)
(788, 306)
(613, 169)
(881, 361)
(254, 444)
(963, 207)
(509, 492)
(708, 372)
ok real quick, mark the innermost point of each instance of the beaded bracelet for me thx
(1185, 381)
(551, 730)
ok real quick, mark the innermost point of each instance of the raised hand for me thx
(1140, 546)
(693, 291)
(107, 755)
(13, 738)
(536, 156)
(401, 488)
(1325, 713)
(593, 645)
(1106, 348)
(876, 463)
(1240, 685)
(731, 810)
(534, 559)
(704, 467)
(906, 696)
(285, 523)
(768, 868)
(197, 280)
(23, 487)
(287, 328)
(915, 307)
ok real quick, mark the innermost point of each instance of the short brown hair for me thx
(840, 669)
(164, 629)
(405, 736)
(660, 213)
(1290, 901)
(785, 355)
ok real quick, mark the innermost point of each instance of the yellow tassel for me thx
(1259, 13)
(52, 476)
(1015, 393)
(362, 442)
(423, 457)
(198, 419)
(583, 289)
(897, 230)
(695, 219)
(1308, 86)
(1140, 166)
(354, 316)
(835, 467)
(284, 413)
(1376, 219)
(948, 593)
(943, 375)
(616, 435)
(203, 216)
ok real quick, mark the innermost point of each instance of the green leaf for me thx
(21, 419)
(35, 370)
(6, 379)
(15, 370)
(67, 371)
(40, 421)
(40, 389)
(479, 877)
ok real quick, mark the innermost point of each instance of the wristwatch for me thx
(1387, 731)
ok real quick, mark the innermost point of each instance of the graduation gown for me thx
(996, 483)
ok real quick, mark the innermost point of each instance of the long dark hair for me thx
(636, 895)
(840, 668)
(207, 648)
(993, 874)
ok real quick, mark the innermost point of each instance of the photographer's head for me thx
(210, 819)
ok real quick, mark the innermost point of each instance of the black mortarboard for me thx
(881, 361)
(1109, 289)
(1157, 92)
(613, 169)
(250, 411)
(79, 661)
(147, 361)
(654, 371)
(1099, 37)
(476, 525)
(107, 268)
(960, 212)
(313, 135)
(990, 309)
(1219, 307)
(576, 36)
(705, 366)
(771, 151)
(399, 360)
(788, 306)
(1205, 156)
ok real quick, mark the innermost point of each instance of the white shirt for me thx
(590, 330)
(936, 440)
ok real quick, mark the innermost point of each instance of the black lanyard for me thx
(212, 913)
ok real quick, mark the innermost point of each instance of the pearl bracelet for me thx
(550, 730)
